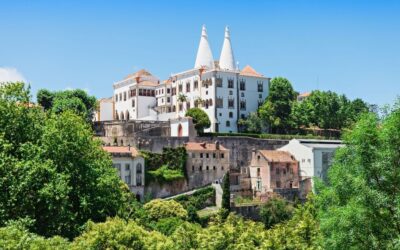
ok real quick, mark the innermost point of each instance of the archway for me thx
(180, 130)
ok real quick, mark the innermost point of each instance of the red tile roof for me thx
(121, 150)
(197, 146)
(249, 71)
(139, 73)
(306, 94)
(277, 156)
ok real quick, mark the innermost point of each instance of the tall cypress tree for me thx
(226, 195)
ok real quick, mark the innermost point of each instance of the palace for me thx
(220, 88)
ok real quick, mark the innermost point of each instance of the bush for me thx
(275, 211)
(158, 209)
(200, 119)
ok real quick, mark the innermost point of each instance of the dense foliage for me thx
(166, 166)
(200, 119)
(274, 211)
(226, 192)
(360, 207)
(278, 106)
(77, 101)
(51, 169)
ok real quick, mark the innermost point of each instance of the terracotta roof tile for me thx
(249, 71)
(139, 73)
(197, 146)
(277, 156)
(121, 150)
(148, 83)
(306, 94)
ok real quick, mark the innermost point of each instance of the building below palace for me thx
(220, 88)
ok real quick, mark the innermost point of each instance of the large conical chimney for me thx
(227, 60)
(204, 56)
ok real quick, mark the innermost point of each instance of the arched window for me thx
(116, 115)
(180, 130)
(127, 115)
(139, 169)
(122, 116)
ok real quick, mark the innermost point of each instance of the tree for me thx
(158, 209)
(359, 207)
(275, 211)
(77, 101)
(51, 169)
(200, 119)
(226, 193)
(253, 123)
(277, 108)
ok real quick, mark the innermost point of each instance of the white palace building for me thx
(220, 88)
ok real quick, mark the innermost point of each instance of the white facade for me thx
(105, 110)
(314, 156)
(134, 96)
(225, 93)
(130, 167)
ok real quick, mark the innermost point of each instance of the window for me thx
(201, 168)
(180, 107)
(231, 103)
(222, 167)
(230, 83)
(162, 100)
(214, 168)
(242, 116)
(260, 103)
(138, 180)
(220, 114)
(193, 155)
(168, 91)
(120, 96)
(188, 87)
(124, 96)
(201, 155)
(133, 103)
(258, 172)
(260, 86)
(139, 169)
(214, 155)
(207, 168)
(207, 155)
(258, 185)
(243, 105)
(230, 92)
(116, 98)
(278, 184)
(174, 91)
(218, 82)
(128, 179)
(222, 156)
(277, 171)
(242, 85)
(219, 102)
(230, 114)
(196, 84)
(180, 88)
(117, 166)
(127, 167)
(228, 123)
(260, 96)
(168, 99)
(192, 168)
(258, 157)
(187, 105)
(242, 94)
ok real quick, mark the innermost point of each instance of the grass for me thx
(207, 212)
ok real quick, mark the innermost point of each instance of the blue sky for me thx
(351, 47)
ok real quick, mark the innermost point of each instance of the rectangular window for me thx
(116, 98)
(168, 99)
(214, 155)
(260, 86)
(138, 180)
(230, 114)
(187, 105)
(219, 102)
(207, 155)
(127, 167)
(180, 88)
(242, 85)
(222, 155)
(168, 91)
(258, 172)
(124, 96)
(231, 103)
(128, 179)
(230, 83)
(193, 155)
(133, 103)
(188, 87)
(174, 91)
(243, 105)
(196, 84)
(201, 155)
(218, 82)
(278, 184)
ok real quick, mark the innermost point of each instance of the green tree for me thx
(158, 209)
(226, 193)
(359, 207)
(277, 108)
(275, 211)
(77, 101)
(200, 119)
(51, 169)
(253, 124)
